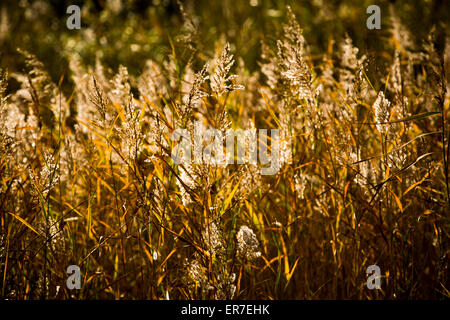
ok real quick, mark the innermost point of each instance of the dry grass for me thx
(87, 178)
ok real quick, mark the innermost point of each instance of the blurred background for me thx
(130, 31)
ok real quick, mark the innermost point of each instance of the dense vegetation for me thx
(87, 175)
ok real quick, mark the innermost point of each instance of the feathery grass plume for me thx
(187, 180)
(289, 70)
(46, 177)
(120, 87)
(72, 157)
(43, 96)
(300, 184)
(382, 110)
(351, 71)
(221, 80)
(214, 278)
(269, 67)
(247, 244)
(53, 235)
(349, 54)
(226, 287)
(153, 87)
(192, 99)
(131, 131)
(251, 181)
(39, 77)
(105, 114)
(23, 128)
(213, 238)
(291, 60)
(197, 272)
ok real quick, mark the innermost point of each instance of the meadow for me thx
(88, 175)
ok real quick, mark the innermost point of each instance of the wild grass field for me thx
(88, 178)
